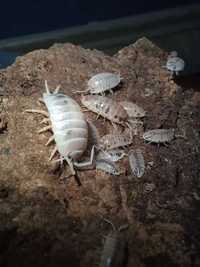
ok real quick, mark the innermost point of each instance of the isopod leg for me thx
(50, 140)
(40, 100)
(83, 109)
(70, 163)
(111, 91)
(53, 153)
(47, 87)
(57, 89)
(46, 128)
(73, 172)
(45, 120)
(82, 92)
(45, 113)
(98, 115)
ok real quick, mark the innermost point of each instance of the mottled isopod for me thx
(136, 162)
(133, 110)
(112, 141)
(106, 107)
(159, 135)
(107, 166)
(112, 155)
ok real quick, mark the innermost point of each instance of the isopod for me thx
(112, 141)
(133, 110)
(114, 250)
(69, 126)
(159, 135)
(112, 155)
(102, 82)
(107, 166)
(174, 63)
(106, 107)
(136, 162)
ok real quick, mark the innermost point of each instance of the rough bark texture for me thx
(45, 221)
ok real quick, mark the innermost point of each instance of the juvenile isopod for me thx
(107, 166)
(133, 110)
(112, 155)
(174, 63)
(106, 107)
(159, 135)
(136, 162)
(112, 141)
(102, 82)
(69, 127)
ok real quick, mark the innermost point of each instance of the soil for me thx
(46, 220)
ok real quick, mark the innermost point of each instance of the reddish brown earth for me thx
(45, 221)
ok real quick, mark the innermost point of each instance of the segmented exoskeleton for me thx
(70, 129)
(113, 155)
(107, 166)
(102, 82)
(159, 135)
(112, 141)
(132, 109)
(106, 107)
(136, 162)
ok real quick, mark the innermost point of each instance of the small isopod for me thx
(159, 135)
(133, 110)
(102, 82)
(136, 162)
(112, 141)
(174, 63)
(107, 166)
(106, 107)
(114, 250)
(112, 155)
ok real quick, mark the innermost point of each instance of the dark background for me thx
(34, 16)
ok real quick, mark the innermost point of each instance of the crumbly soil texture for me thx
(48, 220)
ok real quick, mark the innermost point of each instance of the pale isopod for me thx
(133, 110)
(106, 107)
(70, 129)
(174, 63)
(102, 82)
(159, 135)
(136, 162)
